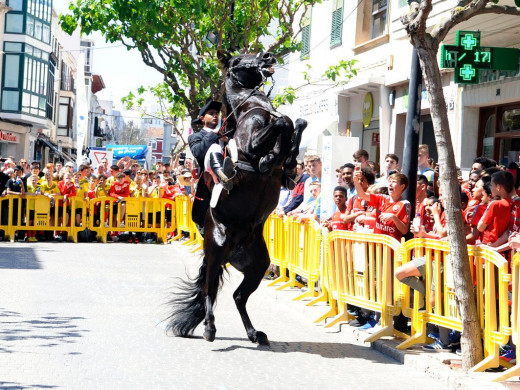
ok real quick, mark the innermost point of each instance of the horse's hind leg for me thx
(212, 284)
(254, 267)
(214, 253)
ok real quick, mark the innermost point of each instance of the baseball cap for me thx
(69, 164)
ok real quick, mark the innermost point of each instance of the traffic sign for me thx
(467, 57)
(98, 155)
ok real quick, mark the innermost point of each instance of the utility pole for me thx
(411, 135)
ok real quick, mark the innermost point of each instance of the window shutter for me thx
(306, 41)
(337, 27)
(306, 35)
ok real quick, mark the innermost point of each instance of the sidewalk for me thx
(434, 365)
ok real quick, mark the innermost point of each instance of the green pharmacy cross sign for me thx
(467, 57)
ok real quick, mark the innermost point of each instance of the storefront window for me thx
(511, 120)
(489, 137)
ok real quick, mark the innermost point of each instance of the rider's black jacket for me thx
(199, 145)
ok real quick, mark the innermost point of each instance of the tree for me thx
(180, 39)
(131, 135)
(172, 114)
(427, 44)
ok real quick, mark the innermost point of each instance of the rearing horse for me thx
(268, 145)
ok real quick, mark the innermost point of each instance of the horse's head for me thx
(247, 70)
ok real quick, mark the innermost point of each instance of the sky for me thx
(123, 71)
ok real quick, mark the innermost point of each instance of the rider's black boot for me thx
(223, 168)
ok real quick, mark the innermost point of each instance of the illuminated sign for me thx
(467, 57)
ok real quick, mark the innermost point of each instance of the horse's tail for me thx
(188, 303)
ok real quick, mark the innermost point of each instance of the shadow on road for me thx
(19, 386)
(19, 258)
(326, 350)
(44, 331)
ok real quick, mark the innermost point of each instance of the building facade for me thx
(484, 118)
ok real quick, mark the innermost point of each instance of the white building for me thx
(484, 118)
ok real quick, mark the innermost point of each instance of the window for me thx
(25, 75)
(64, 117)
(34, 20)
(14, 23)
(337, 23)
(379, 12)
(306, 35)
(371, 22)
(16, 5)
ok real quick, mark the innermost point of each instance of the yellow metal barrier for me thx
(359, 271)
(489, 269)
(275, 235)
(146, 215)
(183, 206)
(303, 250)
(515, 319)
(40, 213)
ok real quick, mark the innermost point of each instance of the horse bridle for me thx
(247, 65)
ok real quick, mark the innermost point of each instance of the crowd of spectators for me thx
(126, 178)
(371, 200)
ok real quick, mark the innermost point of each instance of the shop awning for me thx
(53, 147)
(361, 85)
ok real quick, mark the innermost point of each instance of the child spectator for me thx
(356, 206)
(423, 164)
(392, 211)
(310, 207)
(336, 222)
(33, 188)
(482, 193)
(120, 189)
(347, 173)
(390, 166)
(495, 220)
(361, 156)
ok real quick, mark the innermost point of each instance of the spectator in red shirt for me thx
(495, 220)
(356, 206)
(336, 222)
(67, 189)
(120, 189)
(392, 211)
(482, 193)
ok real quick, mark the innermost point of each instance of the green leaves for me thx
(173, 36)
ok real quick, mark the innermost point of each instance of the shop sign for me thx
(375, 139)
(368, 109)
(6, 136)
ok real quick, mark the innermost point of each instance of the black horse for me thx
(268, 145)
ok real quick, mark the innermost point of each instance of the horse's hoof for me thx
(209, 335)
(261, 339)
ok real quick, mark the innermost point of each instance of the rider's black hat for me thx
(210, 105)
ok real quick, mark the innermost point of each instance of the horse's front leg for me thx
(254, 263)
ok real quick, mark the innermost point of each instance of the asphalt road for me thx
(88, 316)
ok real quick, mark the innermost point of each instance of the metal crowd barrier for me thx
(515, 319)
(489, 270)
(139, 215)
(41, 213)
(358, 269)
(303, 248)
(100, 215)
(275, 235)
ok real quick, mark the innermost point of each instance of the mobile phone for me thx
(357, 166)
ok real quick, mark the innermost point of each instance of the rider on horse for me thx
(206, 146)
